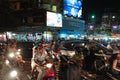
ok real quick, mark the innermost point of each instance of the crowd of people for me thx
(114, 46)
(50, 52)
(41, 54)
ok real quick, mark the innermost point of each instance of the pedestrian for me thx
(116, 63)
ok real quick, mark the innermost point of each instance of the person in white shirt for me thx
(38, 60)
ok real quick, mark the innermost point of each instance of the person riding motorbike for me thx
(38, 61)
(11, 48)
(13, 60)
(54, 50)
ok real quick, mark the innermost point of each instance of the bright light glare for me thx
(106, 39)
(19, 49)
(13, 73)
(17, 53)
(49, 65)
(53, 56)
(83, 44)
(113, 17)
(63, 35)
(71, 53)
(7, 62)
(11, 55)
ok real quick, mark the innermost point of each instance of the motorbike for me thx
(50, 75)
(70, 69)
(13, 66)
(102, 62)
(49, 72)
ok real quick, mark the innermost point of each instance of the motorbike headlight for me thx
(13, 73)
(18, 53)
(49, 65)
(19, 50)
(7, 62)
(11, 55)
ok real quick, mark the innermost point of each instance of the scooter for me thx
(50, 74)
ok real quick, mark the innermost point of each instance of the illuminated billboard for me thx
(54, 19)
(72, 8)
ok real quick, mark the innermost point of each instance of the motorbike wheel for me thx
(84, 78)
(100, 66)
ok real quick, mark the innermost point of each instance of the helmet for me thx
(41, 46)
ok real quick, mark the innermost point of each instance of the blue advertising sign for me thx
(72, 8)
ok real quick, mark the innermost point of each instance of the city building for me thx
(108, 28)
(110, 21)
(32, 15)
(45, 19)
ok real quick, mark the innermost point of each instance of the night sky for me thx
(98, 6)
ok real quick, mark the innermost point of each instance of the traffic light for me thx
(92, 16)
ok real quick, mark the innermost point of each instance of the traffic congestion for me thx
(59, 60)
(59, 40)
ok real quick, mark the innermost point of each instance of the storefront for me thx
(72, 29)
(29, 36)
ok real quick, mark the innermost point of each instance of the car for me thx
(96, 55)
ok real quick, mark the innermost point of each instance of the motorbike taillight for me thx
(50, 72)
